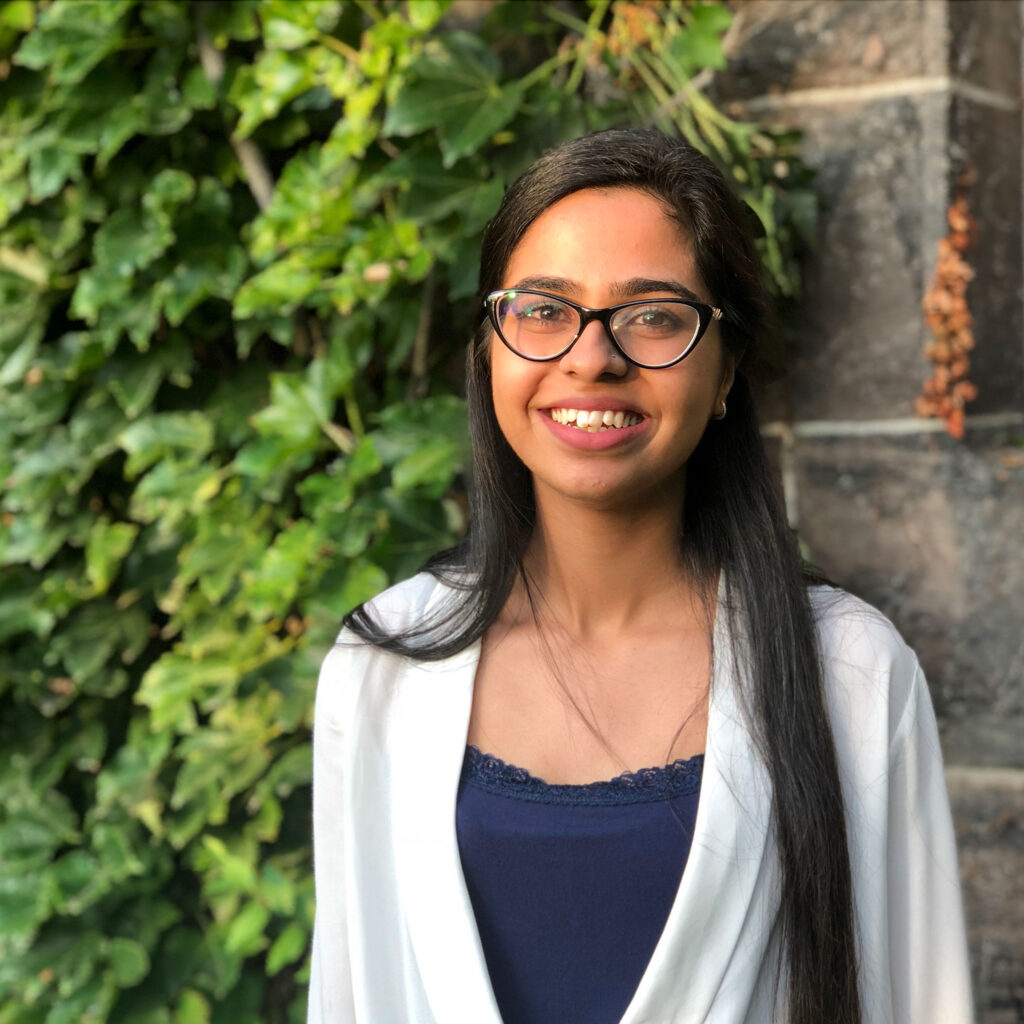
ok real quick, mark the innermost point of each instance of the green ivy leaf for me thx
(430, 192)
(275, 583)
(21, 609)
(454, 88)
(287, 948)
(79, 882)
(172, 490)
(297, 410)
(711, 17)
(276, 77)
(49, 169)
(277, 891)
(31, 833)
(128, 960)
(114, 851)
(432, 465)
(70, 39)
(108, 544)
(289, 24)
(163, 434)
(247, 932)
(168, 190)
(363, 580)
(127, 242)
(193, 1008)
(24, 903)
(281, 286)
(19, 15)
(134, 382)
(231, 872)
(699, 44)
(88, 637)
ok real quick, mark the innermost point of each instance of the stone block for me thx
(882, 170)
(988, 814)
(772, 400)
(929, 529)
(989, 140)
(885, 170)
(778, 46)
(781, 45)
(984, 44)
(997, 965)
(886, 166)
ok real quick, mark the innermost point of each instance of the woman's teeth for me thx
(593, 420)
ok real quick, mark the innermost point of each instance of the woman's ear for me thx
(729, 363)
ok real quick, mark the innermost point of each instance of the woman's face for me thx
(600, 247)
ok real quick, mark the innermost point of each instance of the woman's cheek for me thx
(513, 385)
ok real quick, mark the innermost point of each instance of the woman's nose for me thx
(594, 355)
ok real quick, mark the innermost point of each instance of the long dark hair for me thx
(733, 522)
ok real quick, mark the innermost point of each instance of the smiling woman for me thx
(618, 757)
(603, 246)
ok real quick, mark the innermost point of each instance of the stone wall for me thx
(895, 98)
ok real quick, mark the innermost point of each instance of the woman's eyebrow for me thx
(622, 290)
(549, 284)
(645, 285)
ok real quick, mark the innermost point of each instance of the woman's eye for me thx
(542, 313)
(654, 318)
(547, 312)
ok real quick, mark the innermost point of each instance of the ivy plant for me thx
(237, 267)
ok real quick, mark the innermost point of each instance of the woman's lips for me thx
(595, 428)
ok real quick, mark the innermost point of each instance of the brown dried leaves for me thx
(946, 392)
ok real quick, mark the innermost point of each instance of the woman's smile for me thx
(594, 424)
(589, 424)
(595, 420)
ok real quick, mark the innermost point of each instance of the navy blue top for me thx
(571, 885)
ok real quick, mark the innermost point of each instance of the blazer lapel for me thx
(713, 947)
(431, 718)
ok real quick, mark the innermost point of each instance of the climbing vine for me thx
(947, 391)
(237, 266)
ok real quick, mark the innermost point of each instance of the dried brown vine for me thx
(948, 389)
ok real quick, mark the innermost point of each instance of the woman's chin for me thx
(610, 493)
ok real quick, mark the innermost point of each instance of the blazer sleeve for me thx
(330, 985)
(930, 975)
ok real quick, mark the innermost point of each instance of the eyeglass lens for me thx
(539, 327)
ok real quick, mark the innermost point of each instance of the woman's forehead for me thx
(614, 236)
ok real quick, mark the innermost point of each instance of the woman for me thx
(509, 748)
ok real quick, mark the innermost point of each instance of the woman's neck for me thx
(600, 569)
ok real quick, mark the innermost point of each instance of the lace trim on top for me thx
(489, 773)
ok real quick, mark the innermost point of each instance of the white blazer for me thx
(395, 940)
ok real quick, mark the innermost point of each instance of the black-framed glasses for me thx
(650, 333)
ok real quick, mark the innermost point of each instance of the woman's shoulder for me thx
(851, 629)
(405, 611)
(404, 605)
(354, 665)
(870, 670)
